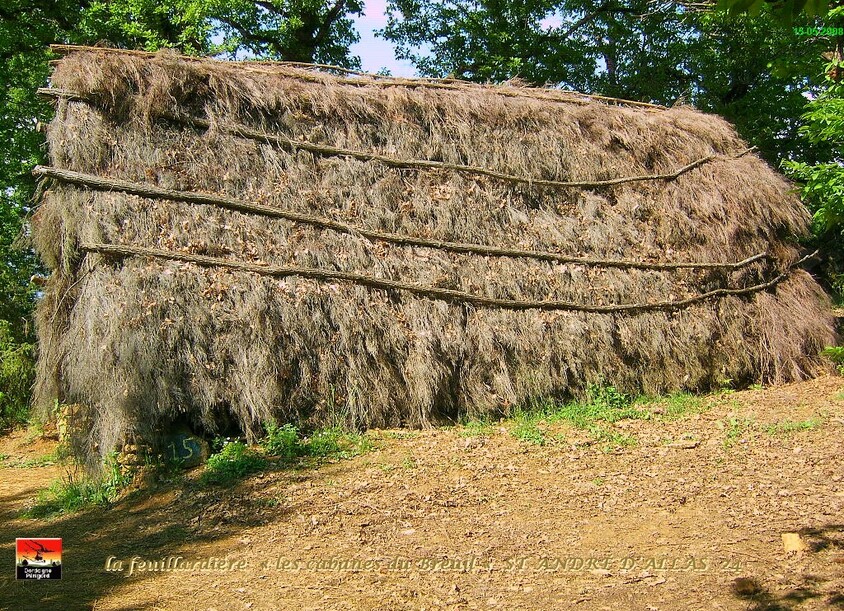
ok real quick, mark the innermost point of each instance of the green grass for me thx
(70, 495)
(235, 460)
(609, 440)
(527, 429)
(232, 463)
(400, 434)
(274, 501)
(740, 428)
(336, 443)
(678, 405)
(584, 415)
(787, 427)
(287, 443)
(476, 428)
(40, 461)
(736, 429)
(604, 405)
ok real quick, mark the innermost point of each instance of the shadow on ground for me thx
(759, 598)
(171, 518)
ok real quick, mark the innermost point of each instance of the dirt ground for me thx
(691, 517)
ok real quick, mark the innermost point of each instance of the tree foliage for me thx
(754, 72)
(17, 373)
(295, 30)
(823, 180)
(144, 24)
(785, 11)
(23, 68)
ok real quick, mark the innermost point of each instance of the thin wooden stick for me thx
(228, 203)
(331, 151)
(448, 295)
(377, 80)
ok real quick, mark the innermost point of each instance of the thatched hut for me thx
(248, 242)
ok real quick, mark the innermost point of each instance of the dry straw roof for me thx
(245, 242)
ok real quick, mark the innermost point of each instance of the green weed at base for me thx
(287, 443)
(232, 463)
(476, 428)
(676, 405)
(527, 431)
(282, 444)
(836, 355)
(583, 415)
(65, 496)
(282, 441)
(604, 404)
(610, 441)
(787, 427)
(70, 495)
(336, 443)
(400, 434)
(736, 429)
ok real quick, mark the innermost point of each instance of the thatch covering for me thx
(252, 242)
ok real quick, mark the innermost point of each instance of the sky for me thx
(376, 53)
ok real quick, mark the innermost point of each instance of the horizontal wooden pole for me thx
(449, 295)
(420, 164)
(549, 95)
(143, 190)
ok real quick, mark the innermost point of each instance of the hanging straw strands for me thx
(109, 184)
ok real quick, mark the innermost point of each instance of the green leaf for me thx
(817, 8)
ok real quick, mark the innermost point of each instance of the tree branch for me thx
(606, 7)
(270, 7)
(448, 295)
(250, 36)
(325, 27)
(228, 203)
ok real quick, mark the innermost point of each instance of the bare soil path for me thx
(691, 517)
